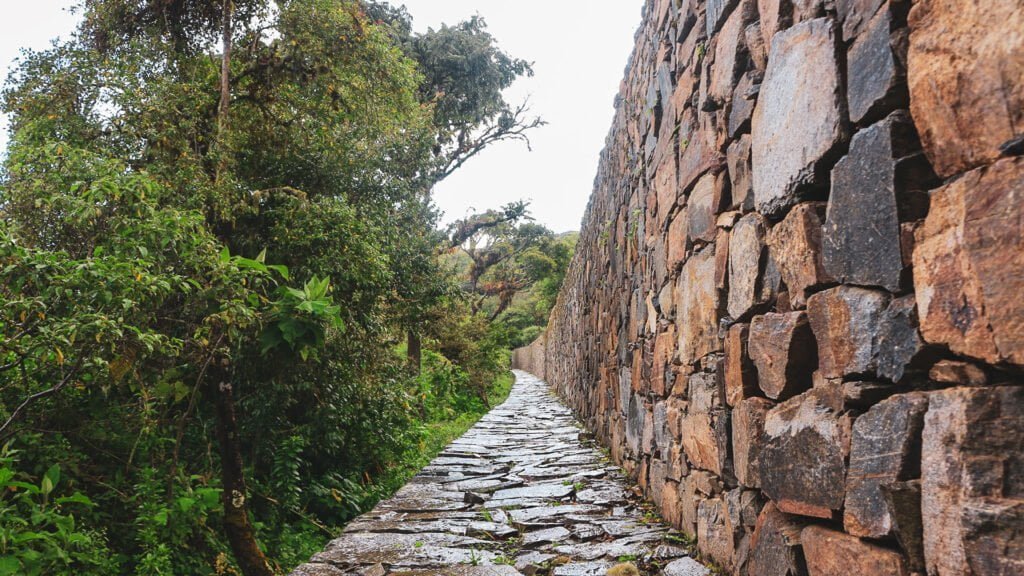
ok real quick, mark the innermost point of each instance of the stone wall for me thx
(796, 310)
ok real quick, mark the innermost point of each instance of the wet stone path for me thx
(525, 491)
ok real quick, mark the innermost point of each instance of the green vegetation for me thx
(229, 321)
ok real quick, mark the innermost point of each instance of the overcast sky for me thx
(579, 49)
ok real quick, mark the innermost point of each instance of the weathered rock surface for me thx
(884, 451)
(862, 228)
(775, 546)
(876, 80)
(740, 373)
(796, 246)
(846, 321)
(830, 553)
(803, 461)
(748, 419)
(972, 487)
(783, 349)
(697, 307)
(969, 264)
(965, 65)
(798, 122)
(747, 255)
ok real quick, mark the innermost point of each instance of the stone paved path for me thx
(523, 491)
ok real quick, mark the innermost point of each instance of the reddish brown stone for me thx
(747, 438)
(730, 53)
(663, 186)
(664, 349)
(775, 546)
(722, 259)
(740, 373)
(782, 347)
(972, 499)
(714, 538)
(831, 553)
(775, 15)
(705, 440)
(795, 245)
(677, 240)
(697, 307)
(738, 156)
(966, 76)
(747, 255)
(790, 156)
(698, 151)
(846, 321)
(969, 264)
(703, 206)
(884, 450)
(956, 372)
(803, 461)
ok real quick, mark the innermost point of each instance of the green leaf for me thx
(9, 565)
(53, 474)
(75, 498)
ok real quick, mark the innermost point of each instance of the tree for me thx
(464, 76)
(225, 136)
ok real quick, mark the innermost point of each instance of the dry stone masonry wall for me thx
(796, 311)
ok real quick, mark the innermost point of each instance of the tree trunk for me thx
(414, 351)
(235, 496)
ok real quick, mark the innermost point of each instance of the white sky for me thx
(579, 49)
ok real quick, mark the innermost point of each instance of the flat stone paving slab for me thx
(525, 491)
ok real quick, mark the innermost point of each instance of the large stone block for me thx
(716, 13)
(698, 150)
(795, 246)
(783, 349)
(714, 539)
(831, 553)
(738, 158)
(876, 81)
(703, 205)
(900, 347)
(747, 256)
(966, 75)
(665, 187)
(706, 440)
(747, 439)
(697, 307)
(885, 449)
(803, 462)
(798, 123)
(730, 53)
(855, 15)
(862, 228)
(969, 264)
(677, 241)
(846, 321)
(744, 98)
(740, 373)
(775, 15)
(775, 546)
(972, 474)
